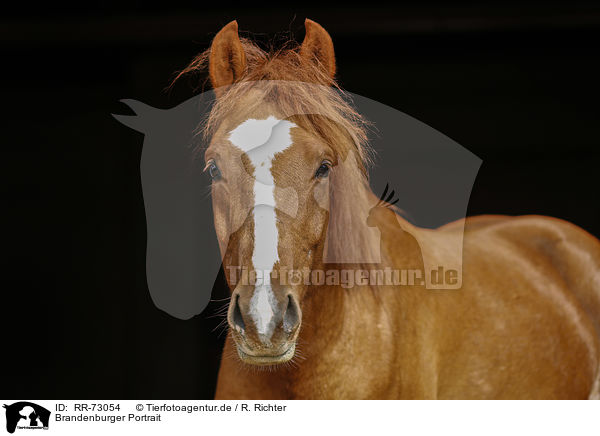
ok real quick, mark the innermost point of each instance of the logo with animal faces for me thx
(25, 415)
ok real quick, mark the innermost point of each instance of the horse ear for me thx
(318, 46)
(227, 61)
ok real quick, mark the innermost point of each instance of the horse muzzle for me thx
(266, 359)
(264, 327)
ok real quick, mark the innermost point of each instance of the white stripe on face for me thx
(261, 140)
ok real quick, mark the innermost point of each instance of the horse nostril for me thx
(291, 318)
(236, 317)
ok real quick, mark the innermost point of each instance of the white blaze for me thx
(261, 140)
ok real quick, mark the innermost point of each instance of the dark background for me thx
(514, 82)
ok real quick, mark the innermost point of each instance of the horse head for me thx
(280, 140)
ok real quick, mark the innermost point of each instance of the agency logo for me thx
(24, 415)
(428, 175)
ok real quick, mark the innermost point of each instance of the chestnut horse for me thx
(525, 323)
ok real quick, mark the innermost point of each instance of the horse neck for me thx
(325, 307)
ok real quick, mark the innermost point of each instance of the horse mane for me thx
(303, 92)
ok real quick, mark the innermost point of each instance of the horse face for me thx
(270, 190)
(270, 199)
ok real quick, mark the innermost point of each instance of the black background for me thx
(514, 82)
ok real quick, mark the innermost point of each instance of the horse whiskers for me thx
(297, 359)
(299, 354)
(213, 300)
(222, 327)
(294, 363)
(206, 192)
(223, 331)
(220, 312)
(217, 315)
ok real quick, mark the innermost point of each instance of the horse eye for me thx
(213, 171)
(323, 170)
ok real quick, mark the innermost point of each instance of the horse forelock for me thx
(298, 90)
